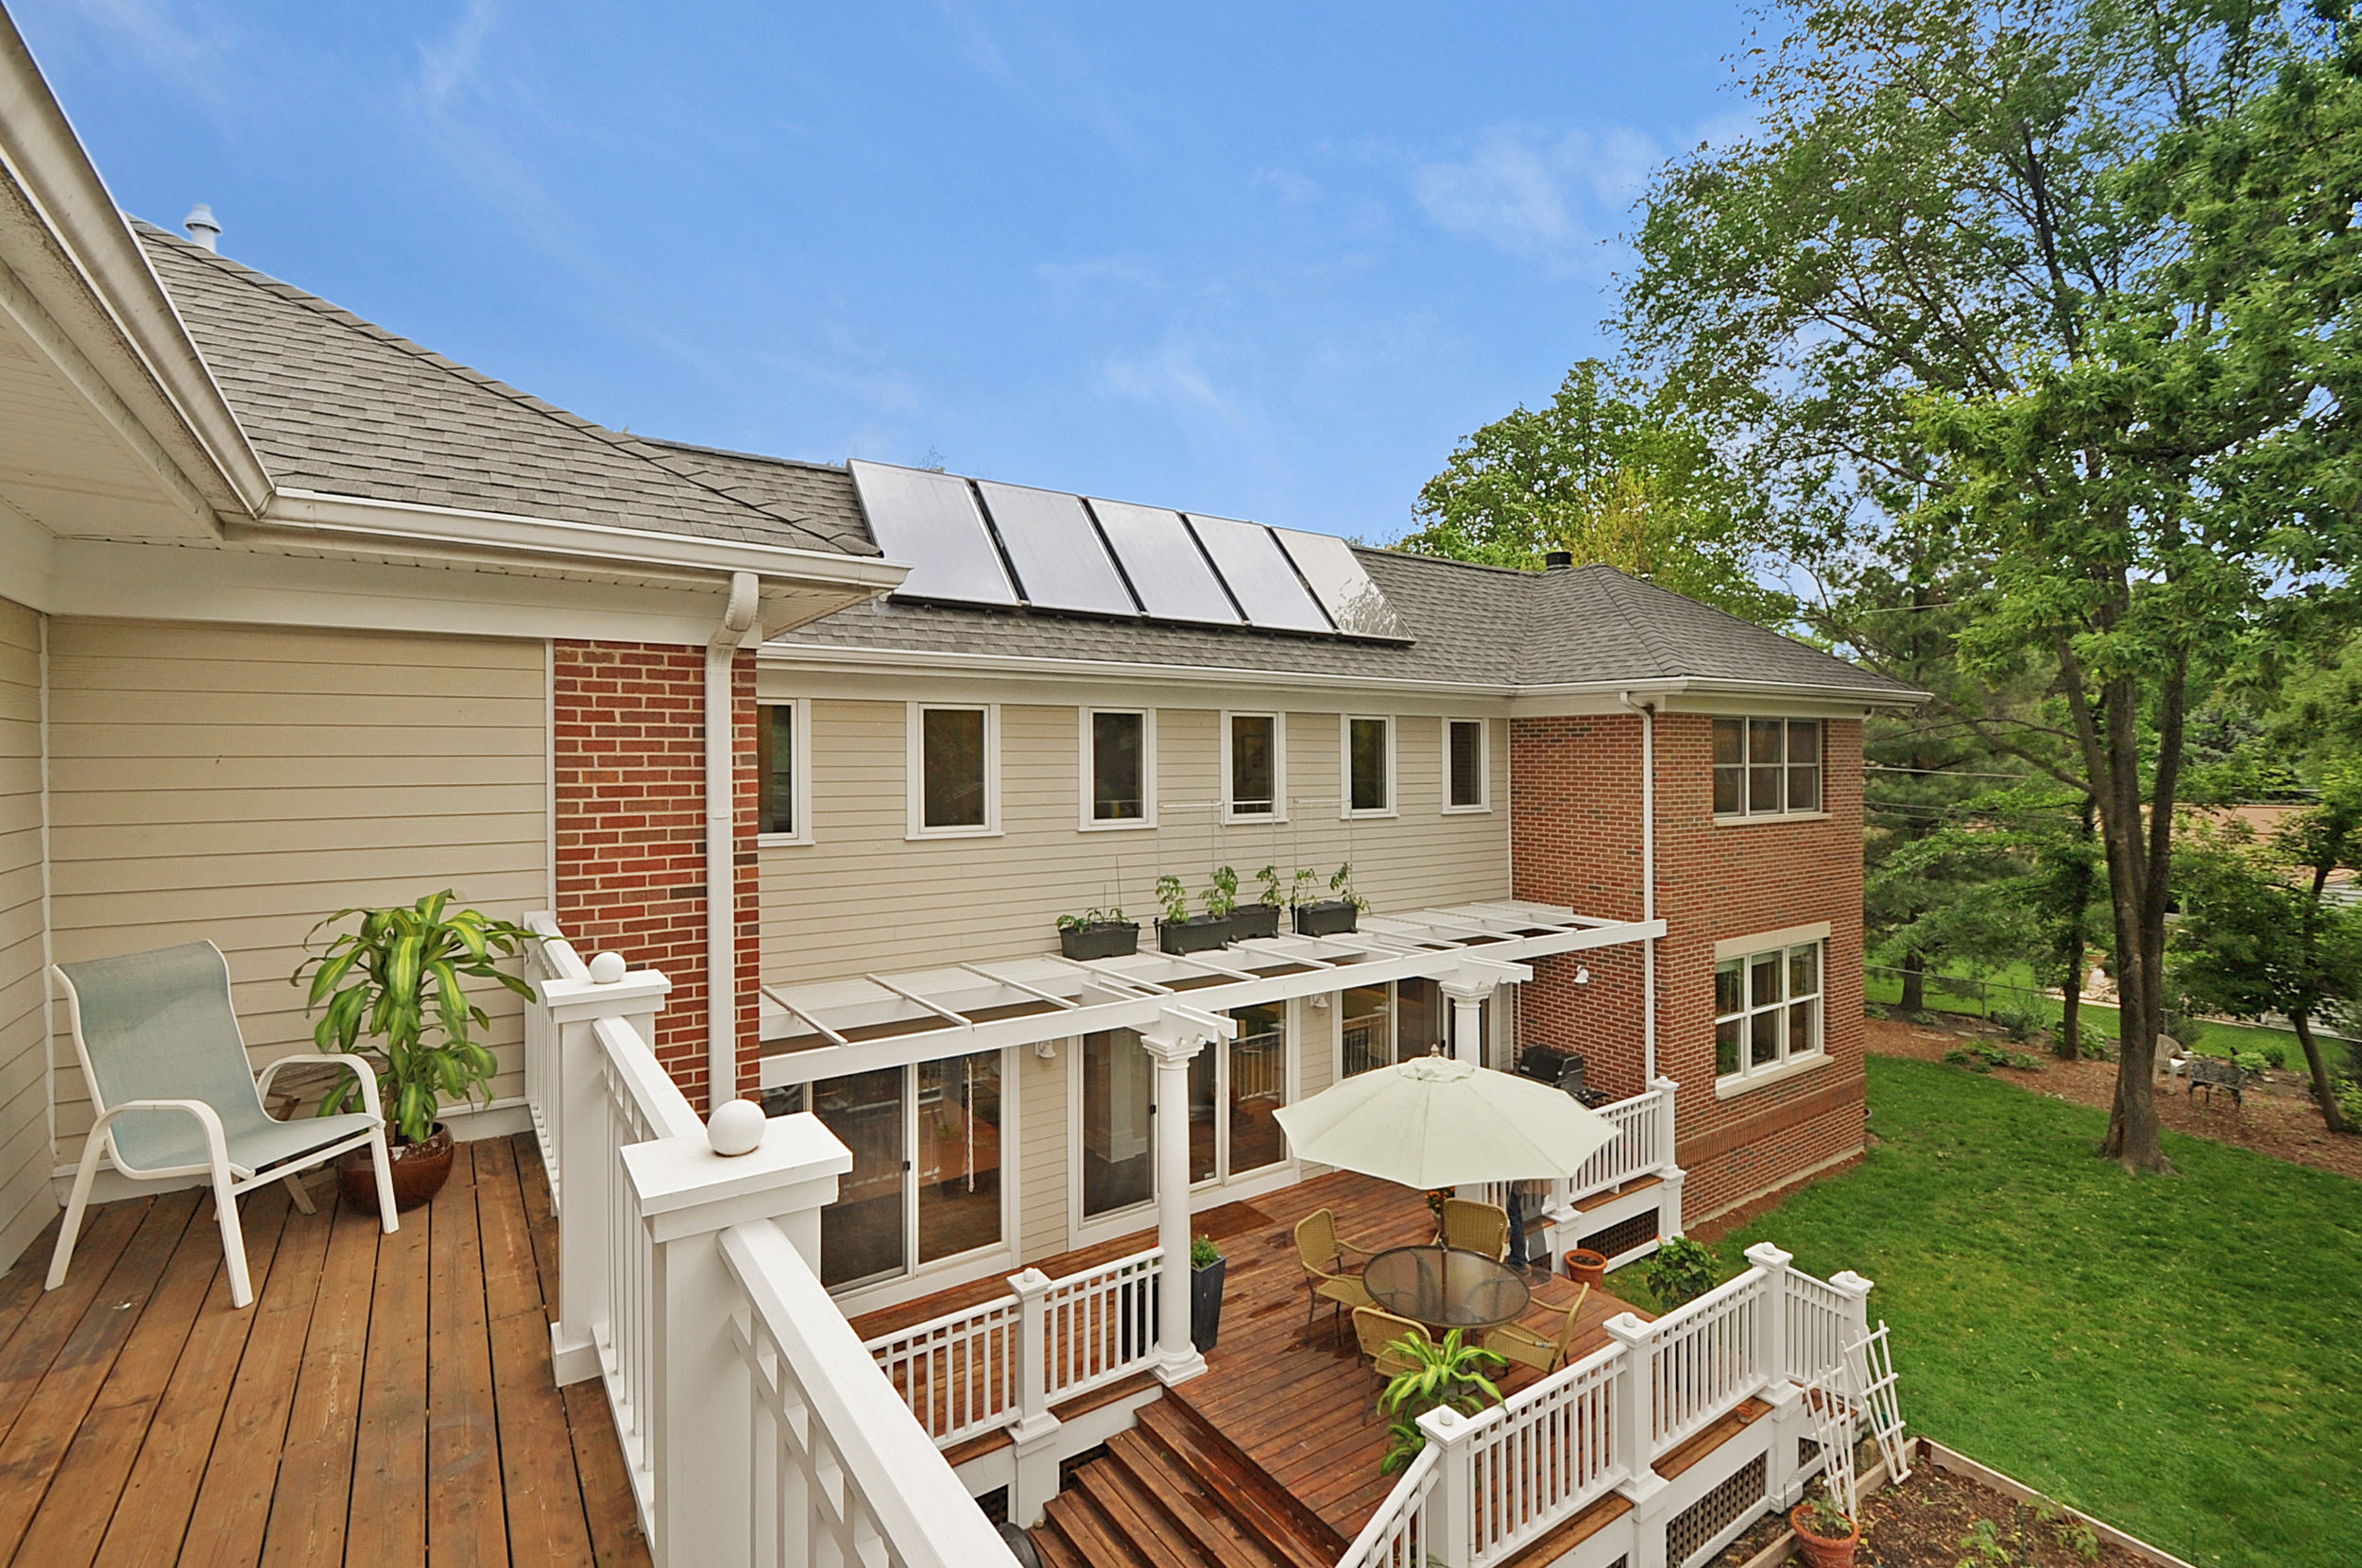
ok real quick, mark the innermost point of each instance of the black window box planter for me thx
(1254, 920)
(1329, 917)
(1111, 939)
(1200, 933)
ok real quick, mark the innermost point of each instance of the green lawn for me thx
(2179, 1355)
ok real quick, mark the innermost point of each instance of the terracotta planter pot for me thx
(1585, 1267)
(1824, 1551)
(419, 1171)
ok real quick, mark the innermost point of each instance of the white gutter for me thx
(738, 625)
(1648, 881)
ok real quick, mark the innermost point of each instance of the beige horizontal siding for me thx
(1042, 1223)
(862, 898)
(239, 784)
(26, 1203)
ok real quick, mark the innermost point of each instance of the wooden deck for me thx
(386, 1399)
(1291, 1400)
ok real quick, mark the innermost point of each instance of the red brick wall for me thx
(1575, 801)
(631, 863)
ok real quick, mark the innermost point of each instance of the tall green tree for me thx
(2059, 297)
(1599, 475)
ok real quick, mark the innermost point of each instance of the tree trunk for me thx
(2070, 1045)
(2323, 1090)
(2137, 834)
(1914, 983)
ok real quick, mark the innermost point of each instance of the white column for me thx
(1468, 1018)
(586, 1129)
(1451, 1505)
(1172, 1043)
(702, 1392)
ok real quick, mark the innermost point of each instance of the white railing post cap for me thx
(1626, 1327)
(1030, 1281)
(1851, 1283)
(607, 969)
(1765, 1254)
(736, 1127)
(1443, 1424)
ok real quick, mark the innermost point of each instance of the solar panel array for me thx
(1007, 545)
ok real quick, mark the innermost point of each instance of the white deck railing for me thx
(1543, 1455)
(1703, 1360)
(1398, 1535)
(755, 1427)
(957, 1372)
(1643, 1143)
(1100, 1324)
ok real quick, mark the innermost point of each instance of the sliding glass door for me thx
(1234, 1089)
(1118, 1142)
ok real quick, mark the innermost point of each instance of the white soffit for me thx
(930, 520)
(1060, 563)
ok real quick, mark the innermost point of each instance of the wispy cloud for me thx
(1532, 195)
(195, 59)
(1172, 374)
(455, 60)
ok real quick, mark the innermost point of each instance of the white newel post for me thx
(1666, 1158)
(1468, 1018)
(703, 1397)
(1668, 1212)
(1629, 1418)
(1772, 1320)
(583, 1264)
(1855, 1290)
(1451, 1505)
(1033, 1433)
(1177, 1036)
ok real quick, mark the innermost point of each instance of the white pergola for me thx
(1177, 1004)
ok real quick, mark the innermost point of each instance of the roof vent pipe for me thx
(202, 227)
(1557, 560)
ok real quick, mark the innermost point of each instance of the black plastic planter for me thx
(1111, 939)
(1206, 1303)
(1254, 920)
(1329, 917)
(1199, 934)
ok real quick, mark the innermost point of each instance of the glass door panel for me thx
(1419, 1017)
(1204, 1136)
(958, 1174)
(1259, 1086)
(1119, 1138)
(861, 1233)
(1368, 1028)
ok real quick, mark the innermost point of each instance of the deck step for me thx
(1147, 1528)
(1088, 1535)
(1189, 1503)
(1256, 1503)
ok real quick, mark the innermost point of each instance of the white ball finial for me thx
(736, 1127)
(607, 969)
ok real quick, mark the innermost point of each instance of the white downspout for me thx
(1648, 881)
(737, 624)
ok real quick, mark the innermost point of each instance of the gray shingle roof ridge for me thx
(1611, 583)
(1421, 557)
(1625, 590)
(748, 456)
(619, 440)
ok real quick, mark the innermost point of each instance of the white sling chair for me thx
(176, 1097)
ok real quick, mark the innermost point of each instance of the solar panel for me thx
(1060, 563)
(1260, 579)
(930, 520)
(1167, 570)
(1344, 590)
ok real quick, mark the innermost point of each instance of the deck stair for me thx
(1173, 1493)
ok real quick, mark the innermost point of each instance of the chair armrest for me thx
(358, 1066)
(1345, 1245)
(209, 1120)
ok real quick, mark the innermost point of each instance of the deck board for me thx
(387, 1397)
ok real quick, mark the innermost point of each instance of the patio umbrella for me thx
(1434, 1121)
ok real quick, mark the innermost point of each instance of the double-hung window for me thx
(783, 773)
(1368, 766)
(1119, 767)
(1254, 767)
(1767, 767)
(954, 770)
(1767, 1009)
(1467, 766)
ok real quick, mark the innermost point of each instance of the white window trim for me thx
(801, 780)
(1484, 766)
(1741, 819)
(1087, 768)
(1279, 811)
(1344, 767)
(1744, 948)
(915, 771)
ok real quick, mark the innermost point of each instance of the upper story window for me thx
(1766, 767)
(1369, 767)
(1119, 767)
(783, 771)
(1467, 766)
(1254, 767)
(954, 770)
(1767, 1009)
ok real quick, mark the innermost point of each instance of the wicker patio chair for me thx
(1378, 1330)
(1321, 1252)
(1527, 1349)
(1475, 1227)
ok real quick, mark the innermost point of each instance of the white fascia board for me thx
(319, 517)
(825, 656)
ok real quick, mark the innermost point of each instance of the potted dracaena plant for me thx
(1261, 917)
(1440, 1374)
(1339, 912)
(393, 994)
(1097, 933)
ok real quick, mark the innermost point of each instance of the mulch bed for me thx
(1924, 1523)
(2279, 1117)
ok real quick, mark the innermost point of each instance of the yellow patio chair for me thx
(1321, 1252)
(1527, 1349)
(1475, 1227)
(1378, 1330)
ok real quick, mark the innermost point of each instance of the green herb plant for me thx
(1173, 898)
(1985, 1547)
(1341, 886)
(1088, 918)
(396, 982)
(1448, 1374)
(1203, 1253)
(1304, 890)
(1824, 1518)
(1269, 877)
(1221, 893)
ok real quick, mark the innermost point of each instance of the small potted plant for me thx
(1339, 912)
(1207, 1268)
(393, 994)
(1097, 933)
(1827, 1534)
(1261, 917)
(1178, 932)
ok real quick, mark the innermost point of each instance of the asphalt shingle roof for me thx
(336, 404)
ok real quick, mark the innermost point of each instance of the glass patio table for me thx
(1446, 1287)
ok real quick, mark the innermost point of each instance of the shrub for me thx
(1681, 1270)
(2274, 1054)
(2249, 1061)
(2022, 1023)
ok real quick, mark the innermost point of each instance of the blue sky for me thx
(1271, 264)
